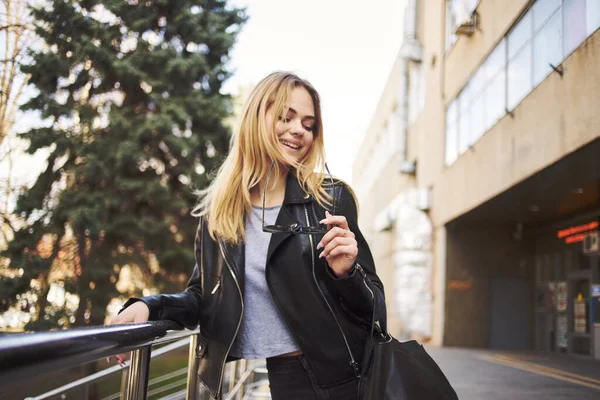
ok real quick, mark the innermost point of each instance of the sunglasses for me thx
(296, 228)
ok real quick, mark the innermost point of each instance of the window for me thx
(495, 100)
(451, 133)
(477, 118)
(495, 91)
(496, 61)
(574, 24)
(592, 16)
(464, 126)
(542, 11)
(450, 27)
(519, 77)
(546, 34)
(519, 36)
(477, 85)
(547, 48)
(519, 61)
(456, 12)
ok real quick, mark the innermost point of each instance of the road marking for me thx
(549, 369)
(540, 370)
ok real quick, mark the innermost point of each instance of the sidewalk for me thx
(575, 369)
(478, 374)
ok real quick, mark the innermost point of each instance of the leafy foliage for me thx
(130, 93)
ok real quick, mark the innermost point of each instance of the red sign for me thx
(576, 234)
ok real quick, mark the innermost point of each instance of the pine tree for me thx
(130, 95)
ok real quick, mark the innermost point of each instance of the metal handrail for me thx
(25, 355)
(100, 375)
(30, 354)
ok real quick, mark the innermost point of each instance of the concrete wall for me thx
(383, 190)
(427, 131)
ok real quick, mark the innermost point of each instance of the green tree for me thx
(130, 95)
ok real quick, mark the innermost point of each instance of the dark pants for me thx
(291, 378)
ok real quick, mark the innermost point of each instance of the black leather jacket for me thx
(328, 316)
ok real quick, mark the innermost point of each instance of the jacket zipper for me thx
(353, 362)
(216, 286)
(239, 321)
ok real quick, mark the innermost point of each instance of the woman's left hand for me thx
(339, 244)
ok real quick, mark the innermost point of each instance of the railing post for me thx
(139, 370)
(232, 375)
(242, 370)
(124, 383)
(192, 389)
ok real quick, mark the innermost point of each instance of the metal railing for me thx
(26, 355)
(23, 356)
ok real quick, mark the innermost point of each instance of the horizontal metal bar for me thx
(170, 347)
(170, 386)
(91, 379)
(176, 396)
(111, 397)
(174, 335)
(29, 354)
(264, 395)
(166, 377)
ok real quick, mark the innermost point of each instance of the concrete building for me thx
(479, 177)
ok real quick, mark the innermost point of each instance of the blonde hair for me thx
(253, 147)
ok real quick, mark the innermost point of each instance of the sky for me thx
(346, 49)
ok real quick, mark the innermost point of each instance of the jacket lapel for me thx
(294, 194)
(236, 254)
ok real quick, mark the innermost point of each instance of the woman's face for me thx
(295, 130)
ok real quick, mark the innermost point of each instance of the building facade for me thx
(479, 204)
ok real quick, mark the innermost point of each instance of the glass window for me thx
(592, 16)
(456, 11)
(542, 10)
(496, 61)
(464, 126)
(519, 77)
(451, 133)
(520, 35)
(495, 100)
(451, 148)
(547, 49)
(464, 133)
(477, 118)
(574, 24)
(477, 81)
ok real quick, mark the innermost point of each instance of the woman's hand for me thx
(339, 245)
(137, 312)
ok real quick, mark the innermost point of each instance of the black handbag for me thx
(393, 370)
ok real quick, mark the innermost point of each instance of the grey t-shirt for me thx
(263, 332)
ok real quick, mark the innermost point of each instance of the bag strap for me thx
(382, 324)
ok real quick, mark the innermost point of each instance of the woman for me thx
(277, 275)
